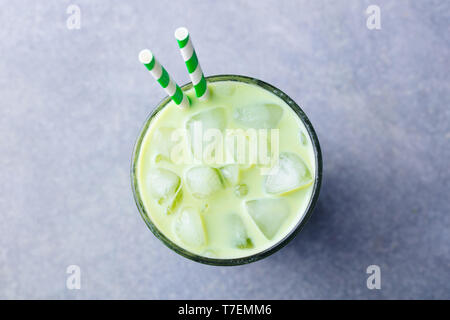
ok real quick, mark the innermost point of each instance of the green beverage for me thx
(230, 179)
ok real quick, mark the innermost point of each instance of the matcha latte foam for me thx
(230, 179)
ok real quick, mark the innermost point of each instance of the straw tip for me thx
(181, 33)
(145, 56)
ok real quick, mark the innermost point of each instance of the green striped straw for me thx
(190, 58)
(158, 72)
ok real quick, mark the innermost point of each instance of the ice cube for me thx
(237, 233)
(164, 185)
(209, 118)
(258, 116)
(189, 227)
(163, 143)
(291, 173)
(203, 181)
(268, 214)
(213, 118)
(231, 174)
(242, 147)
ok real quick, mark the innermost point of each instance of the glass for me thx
(295, 230)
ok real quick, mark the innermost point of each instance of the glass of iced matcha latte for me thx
(231, 179)
(227, 169)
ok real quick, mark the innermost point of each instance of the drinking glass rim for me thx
(289, 236)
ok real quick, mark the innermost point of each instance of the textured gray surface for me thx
(73, 101)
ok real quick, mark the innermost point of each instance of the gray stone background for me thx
(73, 102)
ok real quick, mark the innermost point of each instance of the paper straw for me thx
(192, 64)
(158, 72)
